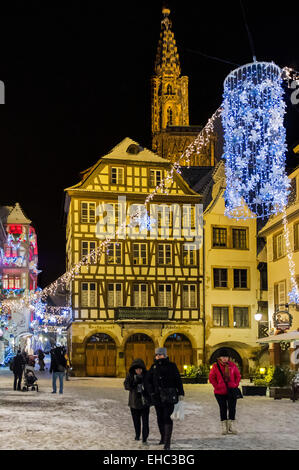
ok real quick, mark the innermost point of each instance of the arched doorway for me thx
(179, 350)
(233, 355)
(139, 346)
(101, 356)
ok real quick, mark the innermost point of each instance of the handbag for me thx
(169, 396)
(231, 392)
(60, 368)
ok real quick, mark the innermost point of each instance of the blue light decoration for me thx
(252, 116)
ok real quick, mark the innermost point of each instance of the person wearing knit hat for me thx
(164, 384)
(161, 352)
(225, 376)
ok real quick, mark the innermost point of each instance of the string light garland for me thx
(163, 187)
(294, 293)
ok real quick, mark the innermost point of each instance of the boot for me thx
(231, 427)
(167, 438)
(224, 427)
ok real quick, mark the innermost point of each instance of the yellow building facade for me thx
(144, 291)
(231, 281)
(279, 279)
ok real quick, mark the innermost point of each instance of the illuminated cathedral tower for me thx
(171, 132)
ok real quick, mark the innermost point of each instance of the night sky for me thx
(77, 82)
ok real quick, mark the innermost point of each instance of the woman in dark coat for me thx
(138, 399)
(164, 384)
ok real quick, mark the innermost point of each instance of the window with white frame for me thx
(155, 178)
(140, 295)
(88, 212)
(188, 217)
(117, 175)
(165, 295)
(113, 254)
(280, 297)
(189, 255)
(278, 246)
(87, 247)
(88, 294)
(113, 214)
(189, 299)
(139, 253)
(164, 254)
(115, 294)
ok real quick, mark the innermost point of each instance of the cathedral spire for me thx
(167, 58)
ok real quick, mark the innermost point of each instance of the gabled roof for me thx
(129, 151)
(13, 215)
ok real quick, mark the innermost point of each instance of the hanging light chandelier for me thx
(252, 115)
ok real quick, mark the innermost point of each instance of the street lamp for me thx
(258, 316)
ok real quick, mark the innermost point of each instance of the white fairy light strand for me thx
(199, 142)
(294, 293)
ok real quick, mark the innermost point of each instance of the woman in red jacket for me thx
(225, 375)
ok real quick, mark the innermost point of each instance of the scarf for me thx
(226, 370)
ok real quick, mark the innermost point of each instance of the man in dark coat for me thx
(57, 368)
(164, 384)
(17, 368)
(138, 398)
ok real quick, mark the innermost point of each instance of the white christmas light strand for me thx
(294, 293)
(197, 145)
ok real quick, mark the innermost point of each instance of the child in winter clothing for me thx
(138, 399)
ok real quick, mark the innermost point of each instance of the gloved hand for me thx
(181, 397)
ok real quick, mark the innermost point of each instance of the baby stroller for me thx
(30, 379)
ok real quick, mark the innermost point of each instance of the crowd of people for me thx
(162, 387)
(59, 367)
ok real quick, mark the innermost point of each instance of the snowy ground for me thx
(93, 414)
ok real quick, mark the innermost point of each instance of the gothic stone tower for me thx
(171, 132)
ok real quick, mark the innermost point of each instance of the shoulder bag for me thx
(231, 392)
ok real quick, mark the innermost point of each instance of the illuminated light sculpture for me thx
(254, 152)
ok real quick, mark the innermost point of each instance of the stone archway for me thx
(179, 350)
(234, 355)
(139, 346)
(100, 356)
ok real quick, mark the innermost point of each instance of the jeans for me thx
(137, 416)
(225, 403)
(54, 380)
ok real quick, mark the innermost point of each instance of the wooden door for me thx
(180, 353)
(142, 350)
(101, 359)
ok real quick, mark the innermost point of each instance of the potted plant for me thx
(261, 380)
(196, 374)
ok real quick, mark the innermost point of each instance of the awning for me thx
(290, 336)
